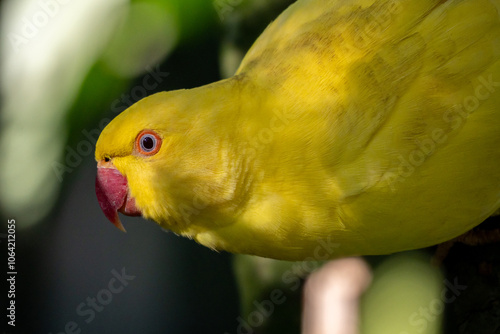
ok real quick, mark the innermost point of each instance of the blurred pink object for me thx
(332, 295)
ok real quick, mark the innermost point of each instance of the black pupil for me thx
(148, 143)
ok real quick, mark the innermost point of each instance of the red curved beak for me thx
(112, 194)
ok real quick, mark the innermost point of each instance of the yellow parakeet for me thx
(352, 127)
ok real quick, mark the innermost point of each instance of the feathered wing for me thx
(411, 117)
(441, 140)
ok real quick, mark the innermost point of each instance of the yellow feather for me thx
(351, 127)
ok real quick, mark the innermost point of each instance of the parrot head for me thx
(129, 143)
(130, 151)
(163, 154)
(112, 190)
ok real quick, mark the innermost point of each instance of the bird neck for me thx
(216, 156)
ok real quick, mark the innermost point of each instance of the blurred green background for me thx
(68, 68)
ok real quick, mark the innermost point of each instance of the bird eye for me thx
(148, 142)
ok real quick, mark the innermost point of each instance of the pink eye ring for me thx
(147, 142)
